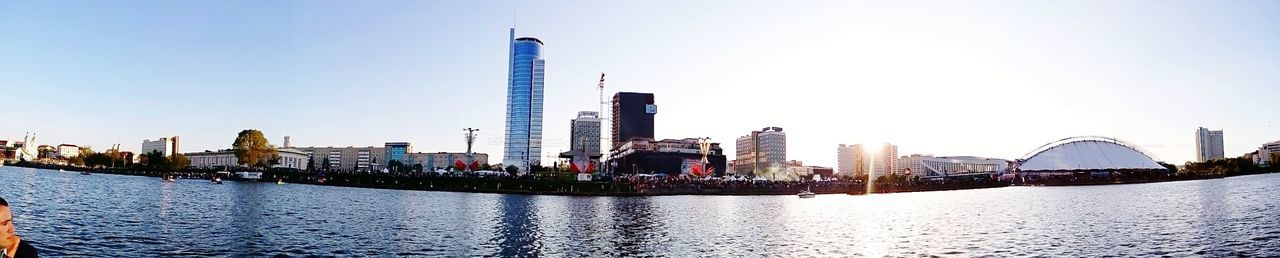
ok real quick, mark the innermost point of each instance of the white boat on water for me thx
(251, 176)
(806, 193)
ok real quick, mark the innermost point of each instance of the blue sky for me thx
(983, 78)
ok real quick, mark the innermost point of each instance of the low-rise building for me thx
(796, 170)
(67, 151)
(927, 166)
(1268, 154)
(443, 160)
(289, 158)
(671, 156)
(347, 159)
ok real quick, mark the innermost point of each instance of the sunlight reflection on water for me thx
(67, 214)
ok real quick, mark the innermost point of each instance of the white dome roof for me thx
(1087, 153)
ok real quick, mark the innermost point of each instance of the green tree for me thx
(310, 164)
(252, 149)
(324, 164)
(128, 159)
(513, 170)
(77, 160)
(96, 160)
(155, 160)
(179, 161)
(396, 166)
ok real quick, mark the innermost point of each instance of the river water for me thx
(68, 214)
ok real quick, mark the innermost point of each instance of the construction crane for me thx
(603, 154)
(602, 93)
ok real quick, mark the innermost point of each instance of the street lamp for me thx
(471, 138)
(704, 146)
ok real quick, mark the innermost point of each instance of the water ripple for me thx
(67, 214)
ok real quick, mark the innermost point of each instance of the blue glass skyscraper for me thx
(523, 145)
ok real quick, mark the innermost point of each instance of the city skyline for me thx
(988, 79)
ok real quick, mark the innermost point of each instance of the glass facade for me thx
(523, 145)
(396, 151)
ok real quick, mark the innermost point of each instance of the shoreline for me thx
(526, 186)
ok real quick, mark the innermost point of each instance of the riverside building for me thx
(223, 159)
(763, 151)
(852, 160)
(632, 117)
(670, 156)
(525, 77)
(166, 146)
(443, 160)
(347, 159)
(930, 167)
(1208, 144)
(1266, 152)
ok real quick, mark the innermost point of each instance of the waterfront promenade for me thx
(633, 186)
(617, 186)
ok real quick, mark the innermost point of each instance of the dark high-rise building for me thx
(632, 117)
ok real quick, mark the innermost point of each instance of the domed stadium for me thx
(1097, 156)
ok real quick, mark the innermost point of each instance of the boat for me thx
(281, 182)
(170, 179)
(249, 176)
(85, 173)
(806, 193)
(217, 180)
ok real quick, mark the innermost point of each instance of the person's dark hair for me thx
(3, 202)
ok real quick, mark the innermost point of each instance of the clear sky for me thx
(982, 78)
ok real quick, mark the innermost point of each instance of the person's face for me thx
(6, 224)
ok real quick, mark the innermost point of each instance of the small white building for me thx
(68, 150)
(1265, 152)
